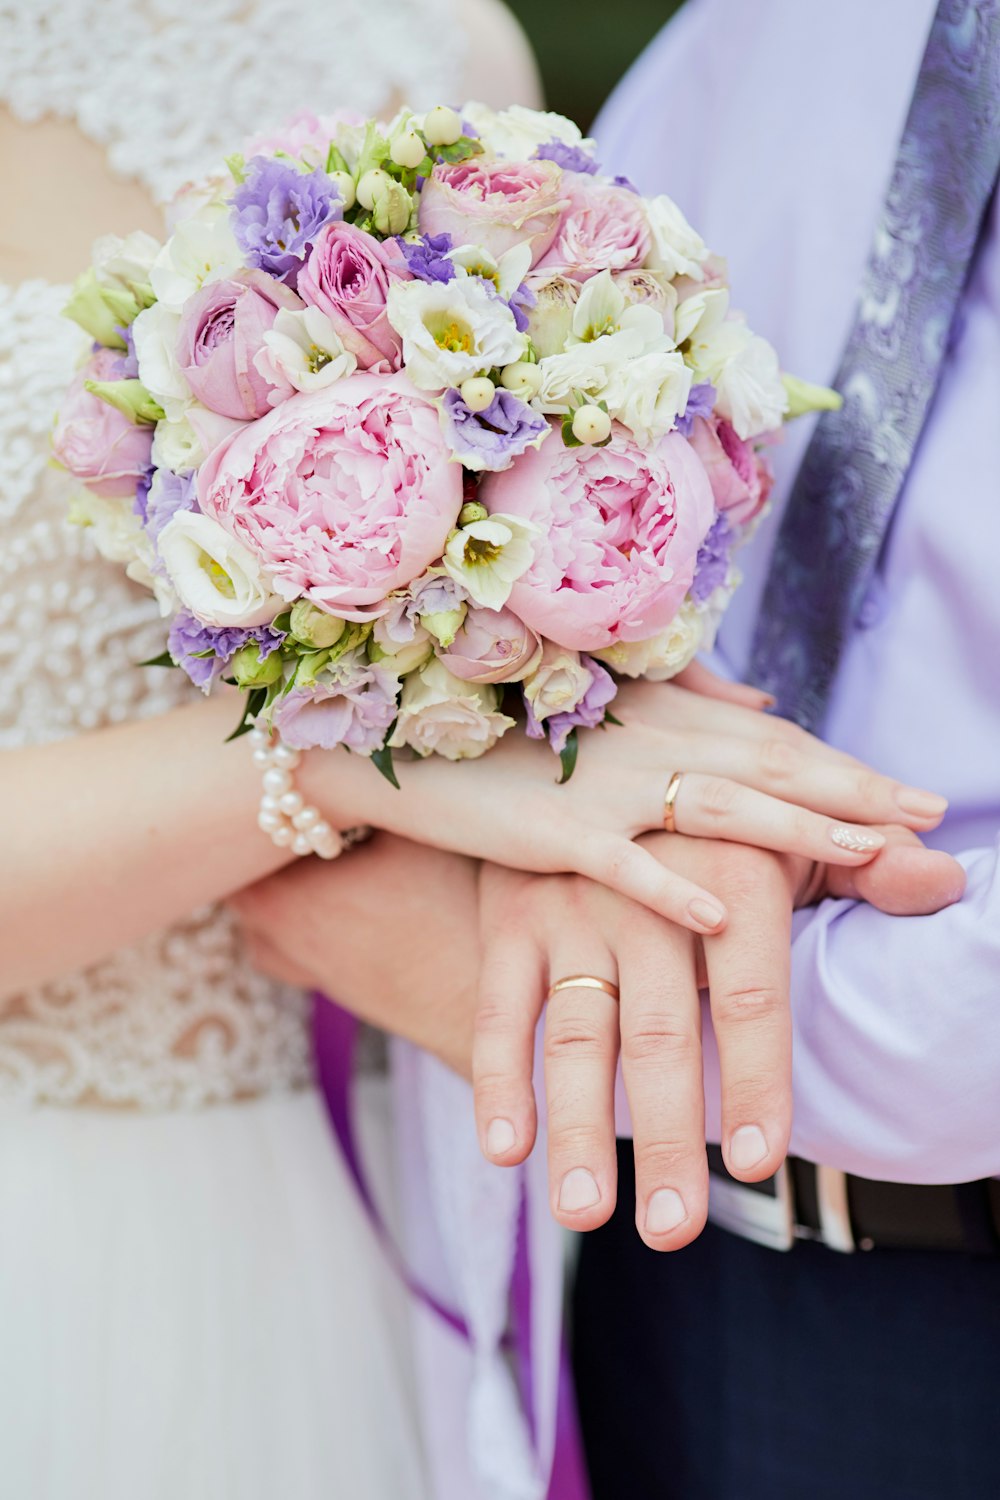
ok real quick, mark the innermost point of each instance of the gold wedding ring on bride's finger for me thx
(584, 982)
(670, 801)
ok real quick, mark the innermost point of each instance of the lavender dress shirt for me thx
(774, 126)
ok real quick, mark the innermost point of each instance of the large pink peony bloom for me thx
(221, 332)
(98, 444)
(620, 531)
(495, 204)
(344, 494)
(604, 228)
(740, 478)
(347, 276)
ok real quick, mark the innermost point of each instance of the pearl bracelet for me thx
(284, 813)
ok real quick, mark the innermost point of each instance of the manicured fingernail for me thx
(578, 1190)
(665, 1211)
(501, 1137)
(747, 1147)
(858, 840)
(918, 804)
(707, 914)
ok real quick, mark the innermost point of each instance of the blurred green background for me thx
(584, 46)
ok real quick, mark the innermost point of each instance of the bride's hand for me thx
(748, 778)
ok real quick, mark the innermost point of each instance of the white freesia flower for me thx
(155, 334)
(558, 683)
(678, 250)
(216, 577)
(517, 133)
(440, 714)
(201, 249)
(666, 654)
(118, 535)
(452, 330)
(699, 316)
(305, 349)
(606, 334)
(488, 557)
(744, 369)
(506, 274)
(648, 394)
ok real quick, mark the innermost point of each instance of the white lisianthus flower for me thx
(440, 714)
(750, 391)
(304, 349)
(665, 654)
(125, 262)
(216, 577)
(517, 133)
(505, 274)
(678, 250)
(714, 608)
(648, 394)
(488, 557)
(177, 446)
(201, 249)
(558, 683)
(155, 334)
(452, 330)
(118, 535)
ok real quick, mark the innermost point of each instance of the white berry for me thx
(591, 425)
(442, 127)
(408, 149)
(344, 183)
(478, 392)
(371, 185)
(523, 378)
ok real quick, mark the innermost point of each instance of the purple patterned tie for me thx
(856, 463)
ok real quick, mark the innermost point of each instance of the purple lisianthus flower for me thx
(712, 566)
(168, 494)
(140, 505)
(570, 158)
(130, 362)
(627, 183)
(587, 714)
(700, 403)
(493, 438)
(427, 258)
(278, 213)
(355, 706)
(521, 304)
(188, 638)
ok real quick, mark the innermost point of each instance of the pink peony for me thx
(620, 531)
(97, 443)
(221, 332)
(603, 229)
(347, 276)
(493, 645)
(495, 204)
(740, 479)
(344, 493)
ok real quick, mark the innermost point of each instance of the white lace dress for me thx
(191, 1302)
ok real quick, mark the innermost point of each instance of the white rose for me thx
(558, 683)
(678, 250)
(201, 249)
(440, 715)
(666, 654)
(647, 394)
(517, 133)
(452, 330)
(155, 335)
(216, 577)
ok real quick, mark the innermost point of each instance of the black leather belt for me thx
(805, 1202)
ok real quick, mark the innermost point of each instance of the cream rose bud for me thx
(216, 577)
(441, 715)
(665, 655)
(558, 683)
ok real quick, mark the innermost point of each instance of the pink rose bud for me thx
(348, 276)
(221, 332)
(493, 645)
(495, 204)
(97, 443)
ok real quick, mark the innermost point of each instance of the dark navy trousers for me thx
(731, 1372)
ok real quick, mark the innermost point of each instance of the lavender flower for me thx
(570, 158)
(168, 494)
(130, 362)
(700, 403)
(188, 638)
(712, 566)
(355, 706)
(587, 714)
(278, 212)
(493, 438)
(140, 504)
(520, 304)
(427, 258)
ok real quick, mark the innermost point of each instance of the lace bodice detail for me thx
(181, 1019)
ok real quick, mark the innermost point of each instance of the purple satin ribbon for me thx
(335, 1033)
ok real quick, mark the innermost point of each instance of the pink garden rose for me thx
(221, 332)
(620, 529)
(343, 494)
(98, 444)
(741, 479)
(493, 645)
(495, 204)
(347, 276)
(604, 229)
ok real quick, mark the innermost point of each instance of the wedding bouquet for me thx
(422, 431)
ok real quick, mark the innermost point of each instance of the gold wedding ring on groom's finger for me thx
(585, 982)
(669, 801)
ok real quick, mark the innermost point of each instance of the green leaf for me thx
(336, 161)
(568, 755)
(461, 150)
(609, 718)
(252, 706)
(163, 660)
(382, 759)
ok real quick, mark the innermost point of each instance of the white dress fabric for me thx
(192, 1303)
